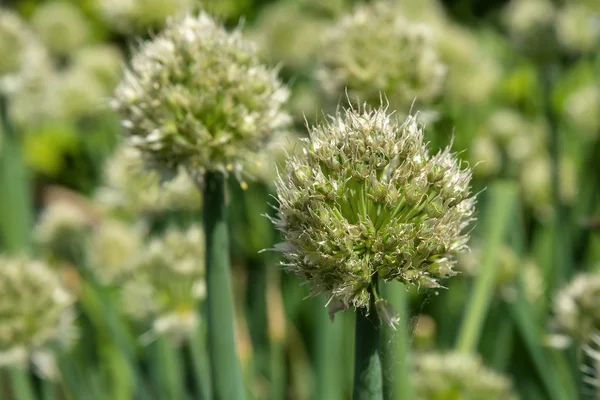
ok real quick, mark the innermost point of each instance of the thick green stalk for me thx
(197, 349)
(226, 375)
(500, 205)
(276, 330)
(166, 369)
(561, 242)
(395, 352)
(16, 214)
(15, 218)
(327, 346)
(368, 379)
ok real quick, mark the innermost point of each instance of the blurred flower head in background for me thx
(197, 96)
(129, 189)
(376, 52)
(140, 16)
(24, 57)
(457, 376)
(577, 307)
(62, 231)
(61, 26)
(36, 312)
(114, 248)
(362, 198)
(531, 25)
(167, 283)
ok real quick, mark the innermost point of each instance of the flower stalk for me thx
(226, 376)
(368, 379)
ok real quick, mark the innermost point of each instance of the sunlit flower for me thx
(363, 200)
(197, 96)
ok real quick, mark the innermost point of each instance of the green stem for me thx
(226, 375)
(196, 347)
(16, 214)
(395, 354)
(368, 379)
(21, 384)
(560, 221)
(166, 368)
(327, 353)
(501, 201)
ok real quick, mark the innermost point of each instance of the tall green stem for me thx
(560, 223)
(327, 353)
(226, 376)
(395, 354)
(368, 379)
(501, 202)
(15, 202)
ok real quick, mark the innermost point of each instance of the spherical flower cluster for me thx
(375, 52)
(580, 109)
(23, 55)
(61, 231)
(167, 282)
(295, 48)
(113, 250)
(197, 96)
(102, 61)
(363, 200)
(61, 26)
(578, 27)
(577, 306)
(138, 16)
(36, 312)
(473, 71)
(130, 189)
(531, 24)
(457, 376)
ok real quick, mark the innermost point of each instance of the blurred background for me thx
(515, 85)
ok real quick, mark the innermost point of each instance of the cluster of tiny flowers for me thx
(376, 51)
(578, 26)
(167, 283)
(580, 109)
(577, 306)
(197, 96)
(531, 25)
(138, 16)
(114, 247)
(510, 268)
(61, 26)
(36, 312)
(295, 48)
(61, 231)
(23, 55)
(363, 199)
(129, 189)
(457, 376)
(473, 71)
